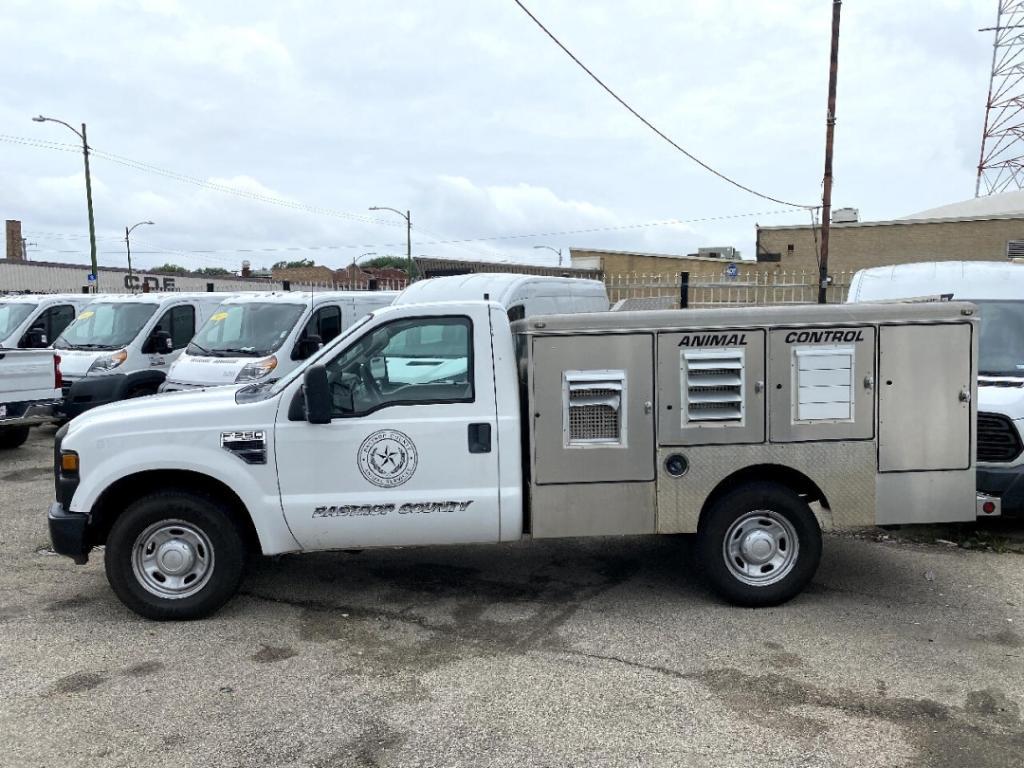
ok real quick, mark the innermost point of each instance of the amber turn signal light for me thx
(69, 462)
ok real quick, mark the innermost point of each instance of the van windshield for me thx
(245, 330)
(105, 326)
(1001, 344)
(12, 315)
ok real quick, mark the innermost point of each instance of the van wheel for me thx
(759, 545)
(174, 555)
(12, 437)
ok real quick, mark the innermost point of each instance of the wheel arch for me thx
(122, 492)
(780, 474)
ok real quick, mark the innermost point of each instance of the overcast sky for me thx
(466, 113)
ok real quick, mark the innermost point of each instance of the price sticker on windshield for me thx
(218, 316)
(88, 313)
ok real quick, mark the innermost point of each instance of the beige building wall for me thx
(858, 246)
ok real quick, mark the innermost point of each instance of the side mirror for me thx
(307, 346)
(317, 392)
(379, 368)
(160, 343)
(35, 338)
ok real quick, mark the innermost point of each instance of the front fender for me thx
(255, 485)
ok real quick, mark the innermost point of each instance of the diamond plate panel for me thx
(845, 472)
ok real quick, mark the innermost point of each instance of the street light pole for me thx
(408, 232)
(128, 247)
(553, 250)
(88, 194)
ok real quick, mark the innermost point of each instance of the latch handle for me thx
(965, 395)
(869, 382)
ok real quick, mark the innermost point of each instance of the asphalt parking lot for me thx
(555, 653)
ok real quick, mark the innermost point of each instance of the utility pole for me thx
(830, 128)
(88, 194)
(408, 234)
(128, 247)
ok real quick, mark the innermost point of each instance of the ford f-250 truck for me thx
(753, 428)
(29, 392)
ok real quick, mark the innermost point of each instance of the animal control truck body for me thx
(754, 428)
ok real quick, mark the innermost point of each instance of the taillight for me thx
(58, 380)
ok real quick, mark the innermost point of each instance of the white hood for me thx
(74, 363)
(211, 371)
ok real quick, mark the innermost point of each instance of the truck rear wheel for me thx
(759, 545)
(174, 555)
(12, 437)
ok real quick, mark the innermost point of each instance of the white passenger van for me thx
(121, 346)
(997, 288)
(33, 321)
(256, 335)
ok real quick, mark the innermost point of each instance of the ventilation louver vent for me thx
(712, 386)
(594, 407)
(824, 384)
(998, 440)
(1015, 249)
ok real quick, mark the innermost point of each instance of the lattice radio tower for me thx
(1001, 163)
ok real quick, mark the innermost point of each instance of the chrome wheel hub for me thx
(172, 559)
(760, 548)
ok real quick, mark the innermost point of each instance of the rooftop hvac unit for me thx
(845, 216)
(723, 252)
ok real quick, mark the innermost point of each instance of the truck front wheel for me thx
(759, 545)
(174, 555)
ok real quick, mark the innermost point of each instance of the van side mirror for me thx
(35, 338)
(160, 343)
(307, 346)
(379, 368)
(317, 393)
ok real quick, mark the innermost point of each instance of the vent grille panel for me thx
(713, 386)
(594, 407)
(998, 440)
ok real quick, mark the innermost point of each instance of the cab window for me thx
(407, 362)
(180, 322)
(325, 323)
(52, 322)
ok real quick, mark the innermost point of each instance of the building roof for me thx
(676, 256)
(1008, 205)
(1004, 204)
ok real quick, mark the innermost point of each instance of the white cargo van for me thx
(997, 288)
(121, 346)
(521, 295)
(255, 335)
(33, 321)
(755, 428)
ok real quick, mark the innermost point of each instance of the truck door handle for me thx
(479, 438)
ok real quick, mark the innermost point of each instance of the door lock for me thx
(965, 395)
(869, 382)
(648, 407)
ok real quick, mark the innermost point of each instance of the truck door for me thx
(409, 456)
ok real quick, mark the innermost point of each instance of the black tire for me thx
(785, 516)
(218, 539)
(12, 437)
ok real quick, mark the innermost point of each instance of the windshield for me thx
(12, 315)
(1001, 345)
(105, 326)
(245, 330)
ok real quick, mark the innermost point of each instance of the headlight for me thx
(257, 369)
(108, 363)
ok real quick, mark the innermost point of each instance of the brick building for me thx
(980, 229)
(632, 262)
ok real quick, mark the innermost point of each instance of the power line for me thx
(647, 122)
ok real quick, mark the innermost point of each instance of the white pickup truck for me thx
(30, 394)
(755, 428)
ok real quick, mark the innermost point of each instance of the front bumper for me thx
(1005, 483)
(68, 533)
(90, 392)
(31, 413)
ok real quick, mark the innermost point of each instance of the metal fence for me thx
(665, 291)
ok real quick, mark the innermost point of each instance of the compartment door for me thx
(925, 385)
(711, 387)
(822, 384)
(592, 409)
